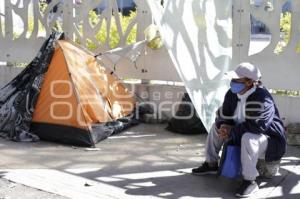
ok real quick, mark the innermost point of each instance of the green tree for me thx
(101, 36)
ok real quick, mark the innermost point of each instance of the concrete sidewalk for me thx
(146, 161)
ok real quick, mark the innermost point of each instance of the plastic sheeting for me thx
(198, 35)
(186, 120)
(18, 98)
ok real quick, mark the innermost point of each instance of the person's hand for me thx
(224, 131)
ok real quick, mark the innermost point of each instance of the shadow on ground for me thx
(144, 161)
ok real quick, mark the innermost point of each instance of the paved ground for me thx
(11, 190)
(144, 162)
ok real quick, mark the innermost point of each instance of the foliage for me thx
(101, 36)
(42, 5)
(285, 30)
(291, 93)
(114, 37)
(285, 25)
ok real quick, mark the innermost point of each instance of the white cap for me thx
(245, 70)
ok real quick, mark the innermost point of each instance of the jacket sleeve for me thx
(226, 111)
(259, 116)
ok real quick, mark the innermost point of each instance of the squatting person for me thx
(250, 119)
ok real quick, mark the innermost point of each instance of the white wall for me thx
(289, 108)
(7, 74)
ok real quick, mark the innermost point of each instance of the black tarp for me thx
(18, 98)
(186, 120)
(80, 137)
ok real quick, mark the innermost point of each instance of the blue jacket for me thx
(262, 116)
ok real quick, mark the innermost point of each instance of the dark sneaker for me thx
(246, 189)
(205, 168)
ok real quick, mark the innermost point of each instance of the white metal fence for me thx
(7, 74)
(25, 24)
(280, 70)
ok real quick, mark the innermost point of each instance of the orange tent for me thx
(79, 102)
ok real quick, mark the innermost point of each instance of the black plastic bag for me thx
(186, 120)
